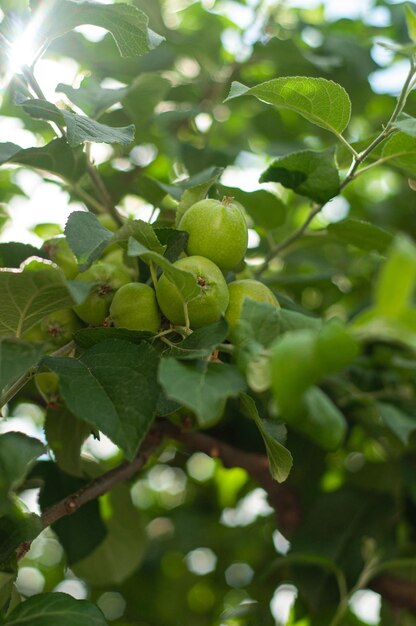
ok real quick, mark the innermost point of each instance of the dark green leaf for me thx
(116, 389)
(203, 387)
(15, 529)
(91, 98)
(18, 452)
(87, 237)
(266, 209)
(88, 337)
(280, 459)
(13, 253)
(121, 552)
(15, 358)
(195, 189)
(324, 423)
(143, 232)
(28, 296)
(201, 342)
(308, 173)
(364, 235)
(184, 281)
(127, 24)
(321, 101)
(49, 609)
(65, 435)
(80, 128)
(83, 531)
(56, 157)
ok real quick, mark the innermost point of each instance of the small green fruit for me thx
(118, 257)
(58, 327)
(217, 231)
(47, 384)
(134, 307)
(109, 278)
(204, 309)
(60, 253)
(239, 290)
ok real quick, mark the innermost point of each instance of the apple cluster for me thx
(217, 244)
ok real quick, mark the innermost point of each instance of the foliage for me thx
(310, 404)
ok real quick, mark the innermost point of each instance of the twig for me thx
(98, 487)
(353, 172)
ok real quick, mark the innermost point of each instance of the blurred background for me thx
(201, 536)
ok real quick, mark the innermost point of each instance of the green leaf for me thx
(362, 234)
(127, 24)
(18, 452)
(16, 357)
(29, 295)
(400, 423)
(80, 128)
(195, 189)
(400, 151)
(406, 124)
(65, 435)
(49, 609)
(324, 423)
(56, 157)
(280, 459)
(308, 173)
(201, 342)
(121, 552)
(266, 209)
(397, 279)
(143, 232)
(80, 533)
(259, 322)
(88, 337)
(411, 22)
(91, 98)
(116, 389)
(16, 528)
(87, 237)
(184, 281)
(320, 101)
(203, 387)
(13, 253)
(143, 96)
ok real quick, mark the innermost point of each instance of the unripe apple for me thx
(60, 253)
(58, 327)
(47, 384)
(118, 257)
(134, 307)
(239, 290)
(109, 278)
(207, 307)
(217, 230)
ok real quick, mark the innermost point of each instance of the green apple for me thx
(47, 384)
(217, 230)
(238, 291)
(109, 278)
(134, 307)
(207, 307)
(58, 327)
(117, 256)
(60, 253)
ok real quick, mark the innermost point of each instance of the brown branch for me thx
(98, 487)
(399, 592)
(281, 497)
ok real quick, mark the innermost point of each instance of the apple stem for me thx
(185, 309)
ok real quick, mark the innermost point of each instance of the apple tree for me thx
(208, 365)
